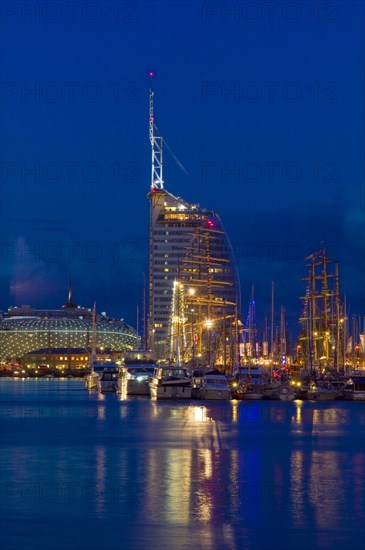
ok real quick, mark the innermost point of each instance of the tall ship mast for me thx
(322, 340)
(177, 332)
(250, 339)
(206, 322)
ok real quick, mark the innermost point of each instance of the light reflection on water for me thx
(185, 475)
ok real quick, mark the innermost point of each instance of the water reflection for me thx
(198, 414)
(101, 412)
(100, 480)
(298, 411)
(228, 473)
(235, 405)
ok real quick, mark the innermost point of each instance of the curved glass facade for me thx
(176, 227)
(23, 330)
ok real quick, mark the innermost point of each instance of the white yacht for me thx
(133, 379)
(170, 383)
(321, 391)
(108, 379)
(214, 385)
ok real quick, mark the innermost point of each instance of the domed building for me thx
(24, 330)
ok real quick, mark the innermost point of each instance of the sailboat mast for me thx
(224, 338)
(137, 318)
(272, 318)
(313, 331)
(310, 334)
(237, 343)
(337, 298)
(144, 327)
(93, 339)
(282, 332)
(344, 334)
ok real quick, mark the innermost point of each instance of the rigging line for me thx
(173, 155)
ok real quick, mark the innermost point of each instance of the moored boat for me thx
(248, 383)
(284, 392)
(91, 380)
(97, 368)
(322, 391)
(252, 392)
(170, 383)
(133, 379)
(213, 385)
(108, 380)
(354, 388)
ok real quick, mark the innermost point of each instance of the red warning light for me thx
(151, 74)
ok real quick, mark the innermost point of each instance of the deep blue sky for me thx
(298, 73)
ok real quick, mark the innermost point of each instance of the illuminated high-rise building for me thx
(174, 224)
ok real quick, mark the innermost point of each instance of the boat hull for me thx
(214, 395)
(170, 391)
(322, 396)
(252, 396)
(287, 397)
(284, 394)
(107, 387)
(354, 395)
(133, 387)
(91, 381)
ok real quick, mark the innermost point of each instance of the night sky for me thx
(262, 103)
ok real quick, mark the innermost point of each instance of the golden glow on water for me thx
(204, 506)
(204, 500)
(234, 481)
(123, 394)
(212, 474)
(298, 411)
(316, 417)
(235, 405)
(205, 457)
(330, 416)
(177, 485)
(198, 414)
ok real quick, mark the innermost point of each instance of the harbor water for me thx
(85, 471)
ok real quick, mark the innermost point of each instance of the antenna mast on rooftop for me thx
(156, 144)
